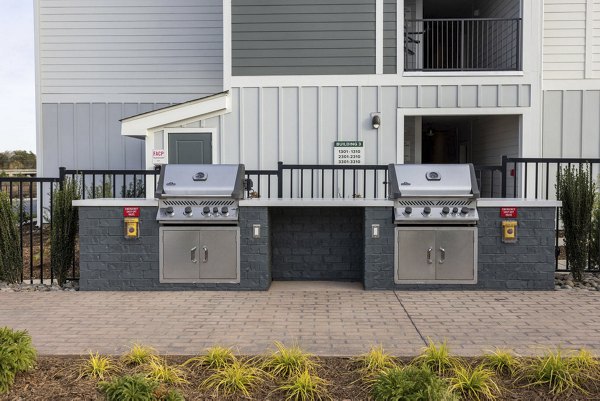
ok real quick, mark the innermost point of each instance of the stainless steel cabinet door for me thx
(218, 254)
(416, 254)
(454, 255)
(180, 255)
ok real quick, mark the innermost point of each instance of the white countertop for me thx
(337, 202)
(116, 202)
(516, 202)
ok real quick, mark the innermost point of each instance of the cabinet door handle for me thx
(205, 249)
(442, 255)
(429, 255)
(193, 254)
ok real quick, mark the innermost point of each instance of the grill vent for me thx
(434, 203)
(191, 202)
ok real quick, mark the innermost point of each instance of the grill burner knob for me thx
(446, 210)
(215, 210)
(464, 210)
(169, 210)
(206, 210)
(454, 210)
(188, 210)
(426, 210)
(224, 210)
(408, 210)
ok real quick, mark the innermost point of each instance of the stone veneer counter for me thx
(329, 240)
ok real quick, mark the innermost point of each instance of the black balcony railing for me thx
(473, 44)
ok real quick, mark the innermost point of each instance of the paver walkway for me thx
(338, 322)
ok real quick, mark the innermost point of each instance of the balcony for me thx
(463, 44)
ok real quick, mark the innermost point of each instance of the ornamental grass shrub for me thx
(577, 193)
(16, 355)
(410, 383)
(64, 229)
(11, 262)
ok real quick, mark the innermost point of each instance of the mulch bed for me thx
(55, 378)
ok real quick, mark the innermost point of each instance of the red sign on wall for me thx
(510, 212)
(130, 211)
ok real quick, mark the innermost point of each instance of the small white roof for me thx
(176, 115)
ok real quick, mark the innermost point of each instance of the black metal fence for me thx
(32, 197)
(538, 178)
(459, 44)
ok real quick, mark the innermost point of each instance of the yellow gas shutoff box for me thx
(131, 222)
(509, 231)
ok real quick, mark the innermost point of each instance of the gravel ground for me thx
(564, 281)
(26, 287)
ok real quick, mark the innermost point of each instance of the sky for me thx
(17, 75)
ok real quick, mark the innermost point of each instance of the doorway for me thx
(190, 148)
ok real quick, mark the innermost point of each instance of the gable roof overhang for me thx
(176, 115)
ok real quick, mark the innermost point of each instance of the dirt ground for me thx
(55, 378)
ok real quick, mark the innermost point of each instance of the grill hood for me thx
(432, 180)
(201, 181)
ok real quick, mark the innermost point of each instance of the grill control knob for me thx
(446, 210)
(408, 210)
(188, 210)
(206, 210)
(454, 210)
(215, 210)
(169, 210)
(464, 210)
(426, 210)
(224, 210)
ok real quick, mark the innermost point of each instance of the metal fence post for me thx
(61, 176)
(280, 180)
(504, 181)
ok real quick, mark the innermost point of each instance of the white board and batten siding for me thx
(129, 51)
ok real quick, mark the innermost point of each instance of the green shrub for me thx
(129, 388)
(411, 383)
(595, 235)
(64, 229)
(576, 191)
(16, 355)
(11, 262)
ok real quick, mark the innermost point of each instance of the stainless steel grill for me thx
(436, 215)
(200, 193)
(434, 193)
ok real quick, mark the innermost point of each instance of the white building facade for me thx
(276, 81)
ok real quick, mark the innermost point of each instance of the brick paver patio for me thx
(332, 322)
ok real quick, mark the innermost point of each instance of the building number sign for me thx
(348, 152)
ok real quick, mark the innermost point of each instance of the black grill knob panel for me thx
(426, 210)
(464, 210)
(445, 210)
(454, 210)
(188, 210)
(169, 210)
(206, 210)
(224, 210)
(408, 210)
(215, 210)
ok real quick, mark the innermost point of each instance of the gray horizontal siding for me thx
(303, 37)
(389, 36)
(167, 50)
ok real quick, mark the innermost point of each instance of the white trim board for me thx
(571, 84)
(480, 111)
(176, 115)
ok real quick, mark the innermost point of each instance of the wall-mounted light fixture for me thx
(376, 120)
